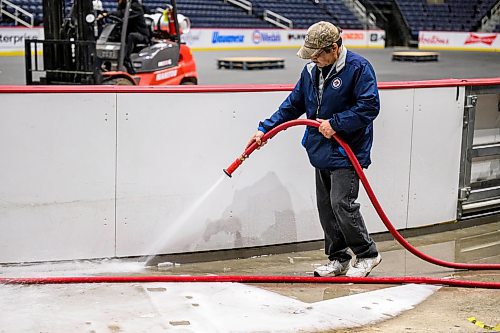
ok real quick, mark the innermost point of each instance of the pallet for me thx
(249, 63)
(415, 56)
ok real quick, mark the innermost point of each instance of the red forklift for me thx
(73, 54)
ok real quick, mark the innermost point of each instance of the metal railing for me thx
(17, 12)
(277, 19)
(368, 19)
(490, 20)
(372, 20)
(245, 4)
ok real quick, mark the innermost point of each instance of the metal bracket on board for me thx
(464, 193)
(471, 101)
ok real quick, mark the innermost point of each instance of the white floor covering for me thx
(191, 307)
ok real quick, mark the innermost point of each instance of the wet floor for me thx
(272, 307)
(479, 244)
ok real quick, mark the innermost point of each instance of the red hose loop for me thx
(279, 128)
(252, 279)
(373, 198)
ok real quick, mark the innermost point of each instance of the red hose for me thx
(369, 191)
(292, 279)
(251, 279)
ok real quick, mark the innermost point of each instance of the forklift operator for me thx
(137, 30)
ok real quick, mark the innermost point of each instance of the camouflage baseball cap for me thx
(318, 36)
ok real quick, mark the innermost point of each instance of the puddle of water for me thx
(72, 268)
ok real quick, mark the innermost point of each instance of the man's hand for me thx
(326, 129)
(101, 16)
(256, 137)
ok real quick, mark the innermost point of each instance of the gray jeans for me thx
(343, 225)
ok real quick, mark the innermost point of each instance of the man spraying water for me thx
(339, 89)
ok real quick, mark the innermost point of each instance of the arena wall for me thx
(12, 39)
(91, 172)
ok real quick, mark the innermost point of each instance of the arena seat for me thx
(305, 13)
(220, 14)
(214, 13)
(451, 15)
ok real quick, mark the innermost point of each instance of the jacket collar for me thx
(341, 60)
(338, 65)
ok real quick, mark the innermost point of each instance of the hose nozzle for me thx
(230, 169)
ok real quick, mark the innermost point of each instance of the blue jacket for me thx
(350, 101)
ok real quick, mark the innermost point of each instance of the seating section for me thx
(377, 2)
(220, 14)
(303, 13)
(32, 6)
(452, 15)
(216, 13)
(343, 16)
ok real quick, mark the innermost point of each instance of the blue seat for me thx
(454, 15)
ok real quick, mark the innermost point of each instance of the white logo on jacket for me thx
(336, 83)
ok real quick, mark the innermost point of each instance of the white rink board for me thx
(169, 157)
(388, 174)
(58, 171)
(435, 155)
(57, 176)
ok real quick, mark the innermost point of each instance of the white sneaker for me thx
(333, 268)
(363, 266)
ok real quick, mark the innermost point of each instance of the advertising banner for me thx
(463, 41)
(209, 39)
(12, 39)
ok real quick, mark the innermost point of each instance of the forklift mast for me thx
(53, 18)
(177, 36)
(69, 55)
(58, 25)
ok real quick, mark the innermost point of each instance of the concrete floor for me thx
(451, 64)
(235, 307)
